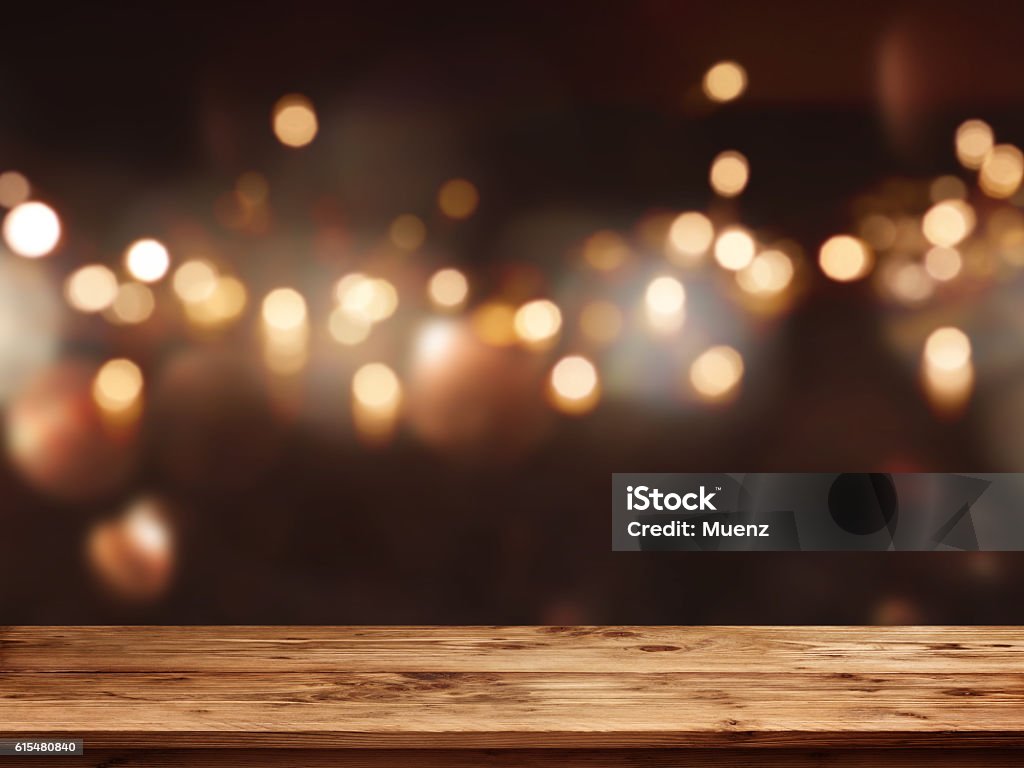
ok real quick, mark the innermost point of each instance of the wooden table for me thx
(518, 696)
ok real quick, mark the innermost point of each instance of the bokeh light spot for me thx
(770, 272)
(284, 309)
(91, 288)
(844, 258)
(725, 81)
(1002, 171)
(147, 260)
(494, 323)
(729, 174)
(375, 385)
(947, 223)
(947, 349)
(448, 289)
(32, 229)
(458, 199)
(691, 233)
(347, 329)
(716, 373)
(574, 385)
(974, 140)
(734, 248)
(537, 321)
(943, 264)
(133, 304)
(14, 189)
(195, 281)
(294, 120)
(118, 385)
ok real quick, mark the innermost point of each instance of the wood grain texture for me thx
(511, 649)
(515, 688)
(532, 758)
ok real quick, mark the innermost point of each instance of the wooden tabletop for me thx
(578, 688)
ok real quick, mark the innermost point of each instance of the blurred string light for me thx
(294, 120)
(117, 387)
(946, 369)
(32, 229)
(537, 323)
(211, 300)
(435, 341)
(734, 248)
(458, 199)
(375, 385)
(943, 264)
(376, 401)
(132, 555)
(477, 387)
(974, 140)
(368, 299)
(1002, 171)
(60, 440)
(948, 222)
(845, 258)
(725, 81)
(729, 173)
(284, 309)
(955, 248)
(14, 189)
(346, 328)
(689, 237)
(91, 288)
(664, 302)
(285, 331)
(147, 260)
(716, 373)
(467, 369)
(907, 281)
(448, 289)
(769, 273)
(574, 387)
(1000, 166)
(469, 398)
(195, 281)
(133, 304)
(223, 306)
(494, 323)
(361, 300)
(932, 253)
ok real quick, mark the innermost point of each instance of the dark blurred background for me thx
(266, 506)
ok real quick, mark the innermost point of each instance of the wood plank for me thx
(514, 758)
(509, 649)
(517, 709)
(507, 688)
